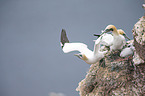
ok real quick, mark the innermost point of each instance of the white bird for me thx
(107, 39)
(121, 32)
(90, 57)
(118, 39)
(129, 50)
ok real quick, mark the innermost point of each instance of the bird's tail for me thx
(64, 38)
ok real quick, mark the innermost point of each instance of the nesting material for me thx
(119, 77)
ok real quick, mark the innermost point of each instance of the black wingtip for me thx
(97, 35)
(64, 38)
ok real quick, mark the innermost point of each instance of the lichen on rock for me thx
(139, 37)
(101, 81)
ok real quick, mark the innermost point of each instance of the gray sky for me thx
(31, 60)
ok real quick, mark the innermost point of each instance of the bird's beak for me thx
(77, 55)
(105, 31)
(126, 36)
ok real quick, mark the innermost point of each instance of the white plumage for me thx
(90, 57)
(68, 47)
(127, 51)
(107, 39)
(118, 40)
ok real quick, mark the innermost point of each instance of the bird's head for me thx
(121, 32)
(81, 56)
(110, 28)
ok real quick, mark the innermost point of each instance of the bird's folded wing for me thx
(68, 47)
(107, 40)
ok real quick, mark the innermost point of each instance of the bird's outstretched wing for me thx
(64, 38)
(68, 47)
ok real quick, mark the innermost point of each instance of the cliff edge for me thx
(115, 75)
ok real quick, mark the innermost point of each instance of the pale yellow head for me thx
(120, 31)
(84, 57)
(111, 28)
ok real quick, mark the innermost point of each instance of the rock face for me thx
(139, 38)
(120, 76)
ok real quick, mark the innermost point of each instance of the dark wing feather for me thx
(64, 38)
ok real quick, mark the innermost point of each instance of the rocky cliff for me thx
(117, 76)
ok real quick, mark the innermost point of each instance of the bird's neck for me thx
(96, 48)
(115, 33)
(85, 57)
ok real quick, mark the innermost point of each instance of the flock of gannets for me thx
(118, 40)
(115, 41)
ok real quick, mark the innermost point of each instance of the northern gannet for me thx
(90, 57)
(107, 39)
(129, 50)
(121, 32)
(118, 39)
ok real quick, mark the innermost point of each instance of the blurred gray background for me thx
(31, 60)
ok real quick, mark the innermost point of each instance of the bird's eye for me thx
(108, 30)
(128, 45)
(111, 29)
(81, 55)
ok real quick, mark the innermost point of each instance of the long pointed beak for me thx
(102, 33)
(105, 31)
(77, 55)
(126, 37)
